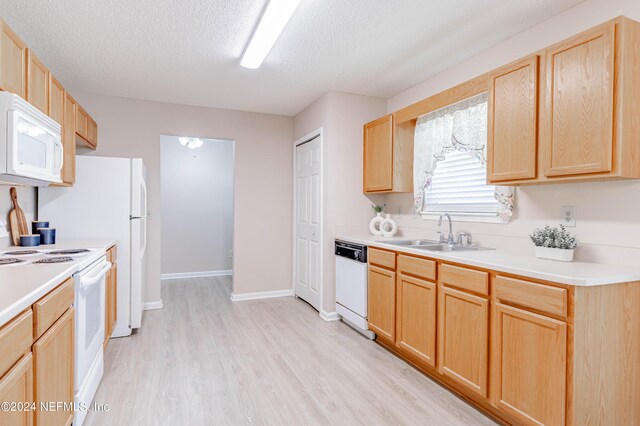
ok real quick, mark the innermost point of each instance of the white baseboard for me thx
(237, 297)
(181, 275)
(147, 306)
(329, 316)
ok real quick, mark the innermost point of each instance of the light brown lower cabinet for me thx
(526, 352)
(16, 386)
(111, 311)
(464, 338)
(416, 329)
(53, 361)
(530, 353)
(37, 378)
(382, 301)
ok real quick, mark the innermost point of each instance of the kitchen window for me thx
(450, 151)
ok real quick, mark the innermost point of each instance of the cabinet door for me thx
(378, 155)
(111, 303)
(69, 140)
(82, 123)
(530, 366)
(92, 132)
(56, 100)
(53, 359)
(17, 386)
(512, 134)
(13, 62)
(579, 104)
(37, 83)
(417, 318)
(382, 302)
(463, 338)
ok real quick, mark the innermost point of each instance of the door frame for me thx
(319, 133)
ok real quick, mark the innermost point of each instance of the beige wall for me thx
(341, 116)
(262, 175)
(608, 213)
(27, 201)
(197, 206)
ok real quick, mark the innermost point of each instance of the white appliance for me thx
(89, 303)
(109, 199)
(351, 286)
(31, 150)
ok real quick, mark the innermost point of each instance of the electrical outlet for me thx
(231, 254)
(569, 216)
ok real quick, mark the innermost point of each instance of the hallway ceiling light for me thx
(192, 143)
(273, 21)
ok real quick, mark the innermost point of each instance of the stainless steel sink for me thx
(413, 243)
(429, 245)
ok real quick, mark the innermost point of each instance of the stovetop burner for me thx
(68, 251)
(61, 259)
(10, 261)
(20, 252)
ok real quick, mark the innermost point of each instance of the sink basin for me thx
(447, 247)
(413, 243)
(430, 245)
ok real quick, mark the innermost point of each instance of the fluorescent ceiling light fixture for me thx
(192, 143)
(271, 24)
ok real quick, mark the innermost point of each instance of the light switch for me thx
(4, 230)
(569, 216)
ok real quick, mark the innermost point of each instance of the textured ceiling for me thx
(187, 51)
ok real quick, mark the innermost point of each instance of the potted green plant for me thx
(554, 243)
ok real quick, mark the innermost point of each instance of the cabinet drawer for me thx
(386, 259)
(419, 267)
(544, 298)
(16, 338)
(51, 307)
(466, 279)
(112, 254)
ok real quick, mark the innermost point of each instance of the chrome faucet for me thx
(450, 239)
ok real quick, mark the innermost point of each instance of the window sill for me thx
(467, 217)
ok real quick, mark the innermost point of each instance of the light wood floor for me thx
(206, 360)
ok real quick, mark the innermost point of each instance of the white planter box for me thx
(562, 255)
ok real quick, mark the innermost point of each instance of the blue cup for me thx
(38, 224)
(31, 240)
(47, 236)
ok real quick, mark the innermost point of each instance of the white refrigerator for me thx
(108, 200)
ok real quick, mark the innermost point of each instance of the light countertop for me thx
(571, 273)
(23, 285)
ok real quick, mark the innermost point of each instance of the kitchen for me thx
(241, 342)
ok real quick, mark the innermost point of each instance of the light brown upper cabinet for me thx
(512, 132)
(388, 157)
(579, 103)
(92, 132)
(37, 82)
(69, 140)
(586, 105)
(56, 100)
(82, 123)
(13, 62)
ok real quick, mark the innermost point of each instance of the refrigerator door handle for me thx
(144, 241)
(143, 194)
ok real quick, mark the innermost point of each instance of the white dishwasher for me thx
(351, 285)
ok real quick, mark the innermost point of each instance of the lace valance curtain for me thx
(462, 127)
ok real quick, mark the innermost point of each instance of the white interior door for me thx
(308, 213)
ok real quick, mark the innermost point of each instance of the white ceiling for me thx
(188, 51)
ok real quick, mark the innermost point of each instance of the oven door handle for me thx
(93, 280)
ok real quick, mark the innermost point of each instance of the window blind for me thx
(459, 185)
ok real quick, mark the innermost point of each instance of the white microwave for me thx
(31, 150)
